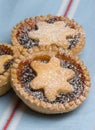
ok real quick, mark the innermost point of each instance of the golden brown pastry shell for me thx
(41, 106)
(75, 50)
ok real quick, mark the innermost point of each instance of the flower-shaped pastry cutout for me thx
(55, 33)
(52, 78)
(3, 60)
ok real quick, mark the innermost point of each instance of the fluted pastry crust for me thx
(33, 102)
(31, 21)
(5, 76)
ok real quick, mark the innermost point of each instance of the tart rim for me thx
(75, 50)
(41, 106)
(5, 77)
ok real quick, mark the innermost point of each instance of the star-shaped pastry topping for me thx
(3, 60)
(55, 33)
(52, 78)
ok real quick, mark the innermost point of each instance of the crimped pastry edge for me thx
(75, 50)
(5, 78)
(41, 106)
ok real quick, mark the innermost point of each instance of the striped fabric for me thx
(14, 115)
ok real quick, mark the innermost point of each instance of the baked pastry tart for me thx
(50, 81)
(47, 31)
(6, 60)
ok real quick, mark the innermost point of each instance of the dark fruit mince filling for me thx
(73, 40)
(4, 50)
(22, 36)
(8, 64)
(26, 74)
(52, 20)
(25, 28)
